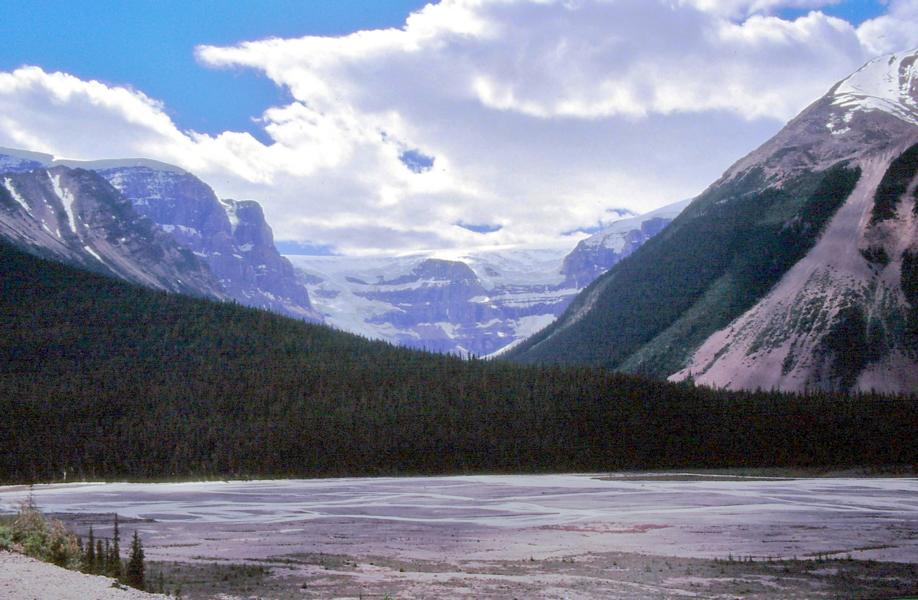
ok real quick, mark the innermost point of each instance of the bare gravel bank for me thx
(24, 578)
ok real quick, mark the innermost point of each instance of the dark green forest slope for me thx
(716, 260)
(102, 379)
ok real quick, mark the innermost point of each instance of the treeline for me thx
(101, 379)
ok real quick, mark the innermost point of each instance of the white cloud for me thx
(895, 31)
(744, 8)
(54, 111)
(539, 114)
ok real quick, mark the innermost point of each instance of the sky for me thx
(390, 127)
(149, 45)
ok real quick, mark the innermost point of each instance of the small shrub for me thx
(6, 538)
(45, 539)
(875, 255)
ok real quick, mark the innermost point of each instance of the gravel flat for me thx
(504, 517)
(527, 536)
(24, 578)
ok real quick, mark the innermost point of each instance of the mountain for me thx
(232, 237)
(75, 216)
(598, 253)
(101, 379)
(229, 241)
(795, 270)
(476, 303)
(472, 303)
(479, 303)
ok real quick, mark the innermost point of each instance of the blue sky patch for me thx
(304, 248)
(853, 11)
(149, 45)
(480, 228)
(416, 160)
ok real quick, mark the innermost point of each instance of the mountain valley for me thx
(467, 303)
(479, 302)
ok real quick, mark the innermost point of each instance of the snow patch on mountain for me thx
(598, 253)
(22, 161)
(888, 84)
(525, 327)
(66, 199)
(121, 163)
(94, 254)
(8, 184)
(230, 208)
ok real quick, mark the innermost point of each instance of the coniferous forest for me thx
(102, 379)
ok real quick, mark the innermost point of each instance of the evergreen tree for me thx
(106, 565)
(89, 558)
(134, 576)
(114, 559)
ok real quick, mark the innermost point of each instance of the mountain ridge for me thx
(502, 297)
(229, 240)
(478, 303)
(74, 215)
(736, 241)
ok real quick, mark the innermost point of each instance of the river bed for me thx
(451, 524)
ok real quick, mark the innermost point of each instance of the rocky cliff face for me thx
(598, 253)
(223, 248)
(792, 271)
(75, 216)
(232, 237)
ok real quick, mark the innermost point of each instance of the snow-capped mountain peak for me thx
(72, 210)
(597, 253)
(479, 302)
(75, 216)
(797, 269)
(888, 83)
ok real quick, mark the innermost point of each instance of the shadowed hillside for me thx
(102, 379)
